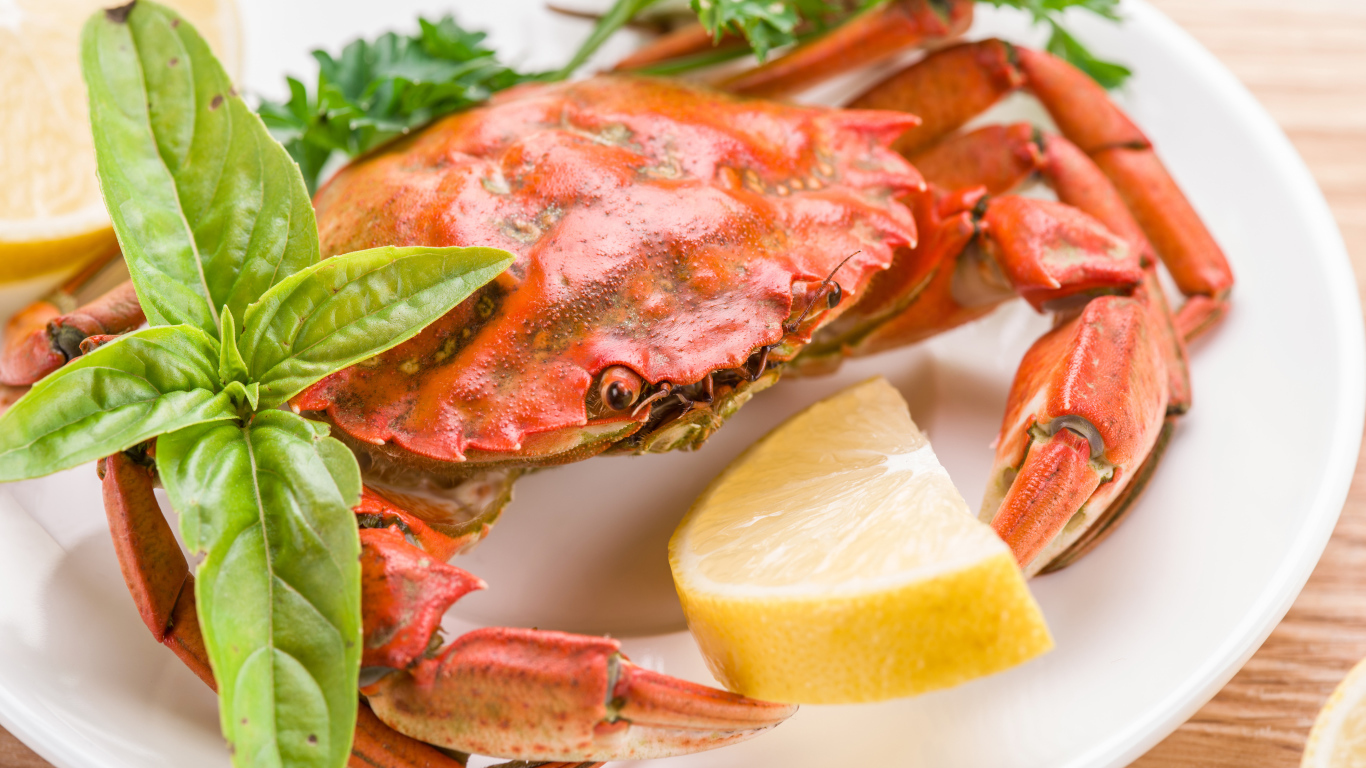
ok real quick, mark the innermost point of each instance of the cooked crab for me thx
(679, 249)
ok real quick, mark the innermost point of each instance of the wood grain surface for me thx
(1306, 62)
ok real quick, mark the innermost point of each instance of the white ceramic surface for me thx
(1148, 627)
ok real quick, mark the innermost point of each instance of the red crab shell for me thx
(656, 225)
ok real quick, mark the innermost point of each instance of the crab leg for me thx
(949, 87)
(976, 252)
(1093, 398)
(1080, 183)
(377, 511)
(1087, 116)
(867, 38)
(1003, 157)
(1061, 475)
(158, 578)
(153, 566)
(40, 339)
(376, 745)
(545, 695)
(945, 90)
(687, 40)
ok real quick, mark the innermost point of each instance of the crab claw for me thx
(538, 695)
(522, 693)
(1054, 255)
(1085, 411)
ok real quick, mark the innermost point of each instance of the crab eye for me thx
(620, 387)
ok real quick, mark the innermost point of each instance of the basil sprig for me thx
(219, 235)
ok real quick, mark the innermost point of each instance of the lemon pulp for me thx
(834, 561)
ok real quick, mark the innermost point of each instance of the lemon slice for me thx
(835, 562)
(1338, 739)
(51, 216)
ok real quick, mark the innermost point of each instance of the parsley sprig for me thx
(770, 24)
(377, 90)
(766, 24)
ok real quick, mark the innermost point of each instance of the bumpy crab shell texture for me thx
(657, 226)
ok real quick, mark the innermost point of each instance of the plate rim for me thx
(1346, 436)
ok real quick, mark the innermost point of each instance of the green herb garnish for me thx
(770, 24)
(377, 90)
(766, 24)
(219, 235)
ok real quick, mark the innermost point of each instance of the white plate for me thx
(1148, 627)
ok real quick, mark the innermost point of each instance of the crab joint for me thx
(977, 278)
(612, 702)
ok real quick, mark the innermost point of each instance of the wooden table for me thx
(1306, 62)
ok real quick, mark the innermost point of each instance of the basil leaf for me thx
(352, 307)
(119, 395)
(208, 208)
(279, 590)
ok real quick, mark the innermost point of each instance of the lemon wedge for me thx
(51, 216)
(1338, 739)
(835, 562)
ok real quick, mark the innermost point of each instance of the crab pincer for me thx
(1085, 411)
(868, 37)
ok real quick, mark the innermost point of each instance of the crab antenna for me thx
(791, 327)
(663, 391)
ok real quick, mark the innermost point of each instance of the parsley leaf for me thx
(377, 90)
(766, 24)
